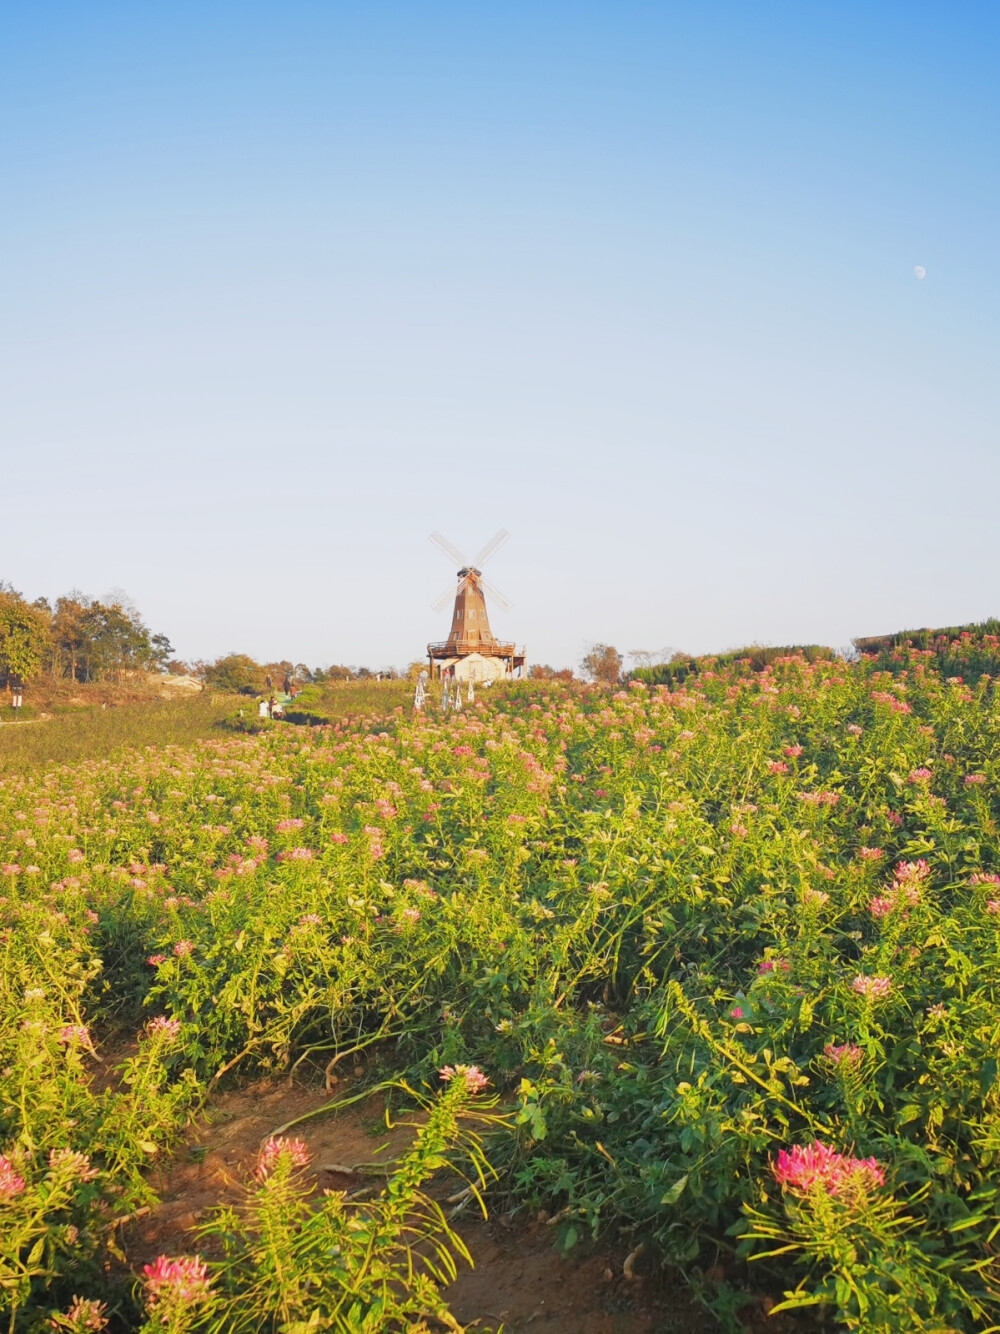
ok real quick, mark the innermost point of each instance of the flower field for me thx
(728, 955)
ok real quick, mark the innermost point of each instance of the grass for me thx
(100, 734)
(333, 700)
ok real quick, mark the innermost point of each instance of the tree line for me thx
(79, 638)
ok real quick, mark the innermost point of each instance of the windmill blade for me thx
(495, 542)
(495, 594)
(450, 592)
(451, 552)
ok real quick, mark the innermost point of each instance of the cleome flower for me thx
(83, 1315)
(806, 1168)
(76, 1166)
(471, 1075)
(162, 1027)
(11, 1181)
(872, 988)
(176, 1282)
(847, 1054)
(295, 1150)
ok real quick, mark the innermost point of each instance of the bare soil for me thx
(519, 1281)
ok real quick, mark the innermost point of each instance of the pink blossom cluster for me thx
(773, 966)
(471, 1075)
(972, 780)
(295, 1150)
(845, 1054)
(11, 1181)
(284, 826)
(83, 1315)
(163, 1027)
(296, 855)
(805, 1168)
(182, 1281)
(904, 892)
(897, 705)
(76, 1166)
(75, 1035)
(819, 798)
(872, 988)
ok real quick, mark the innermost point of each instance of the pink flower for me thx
(881, 907)
(338, 837)
(10, 868)
(83, 1315)
(736, 1012)
(73, 1164)
(74, 855)
(993, 906)
(72, 1035)
(294, 1150)
(183, 948)
(772, 965)
(919, 776)
(971, 779)
(777, 767)
(872, 988)
(984, 878)
(411, 914)
(310, 919)
(11, 1182)
(283, 826)
(854, 729)
(296, 855)
(177, 1282)
(847, 1054)
(163, 1027)
(156, 959)
(894, 818)
(471, 1075)
(871, 854)
(793, 752)
(805, 1168)
(815, 898)
(516, 819)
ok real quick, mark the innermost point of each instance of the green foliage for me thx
(682, 930)
(965, 651)
(24, 637)
(751, 659)
(236, 673)
(92, 734)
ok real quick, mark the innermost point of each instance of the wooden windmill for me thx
(472, 651)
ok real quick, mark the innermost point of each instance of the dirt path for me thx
(519, 1281)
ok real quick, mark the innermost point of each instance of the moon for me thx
(919, 271)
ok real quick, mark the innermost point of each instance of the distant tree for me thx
(339, 674)
(602, 664)
(177, 668)
(160, 651)
(413, 669)
(540, 671)
(236, 672)
(24, 637)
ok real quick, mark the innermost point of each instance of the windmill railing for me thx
(449, 648)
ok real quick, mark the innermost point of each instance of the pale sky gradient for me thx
(285, 287)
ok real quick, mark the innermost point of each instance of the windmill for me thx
(472, 652)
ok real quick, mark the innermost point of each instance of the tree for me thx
(235, 672)
(540, 671)
(602, 664)
(24, 637)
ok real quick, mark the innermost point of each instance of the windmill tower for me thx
(472, 652)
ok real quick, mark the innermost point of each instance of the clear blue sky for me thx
(284, 287)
